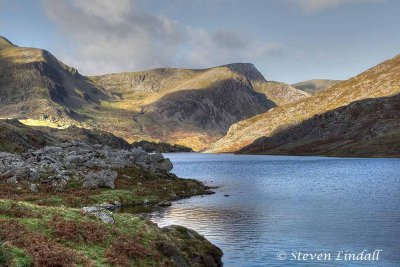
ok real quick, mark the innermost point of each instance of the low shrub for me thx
(124, 249)
(78, 231)
(44, 251)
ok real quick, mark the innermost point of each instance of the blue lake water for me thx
(287, 205)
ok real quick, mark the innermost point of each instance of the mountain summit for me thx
(4, 41)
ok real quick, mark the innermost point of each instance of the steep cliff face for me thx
(327, 122)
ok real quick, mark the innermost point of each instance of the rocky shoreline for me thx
(90, 181)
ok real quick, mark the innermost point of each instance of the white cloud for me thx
(118, 35)
(113, 11)
(312, 6)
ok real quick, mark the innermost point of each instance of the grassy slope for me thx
(133, 187)
(364, 128)
(379, 81)
(46, 228)
(31, 223)
(48, 236)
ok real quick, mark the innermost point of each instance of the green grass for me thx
(56, 226)
(56, 222)
(126, 224)
(14, 257)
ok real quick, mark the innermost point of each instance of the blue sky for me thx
(287, 40)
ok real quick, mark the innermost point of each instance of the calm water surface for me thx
(286, 204)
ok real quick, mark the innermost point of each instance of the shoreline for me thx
(176, 244)
(64, 213)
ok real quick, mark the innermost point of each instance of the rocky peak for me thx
(248, 70)
(5, 42)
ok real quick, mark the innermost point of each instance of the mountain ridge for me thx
(4, 41)
(192, 107)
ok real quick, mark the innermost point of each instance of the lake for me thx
(294, 208)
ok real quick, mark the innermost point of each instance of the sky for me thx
(287, 40)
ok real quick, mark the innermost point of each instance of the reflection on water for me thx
(276, 203)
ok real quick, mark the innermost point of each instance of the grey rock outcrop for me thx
(94, 165)
(104, 178)
(102, 213)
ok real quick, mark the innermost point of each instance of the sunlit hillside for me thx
(289, 120)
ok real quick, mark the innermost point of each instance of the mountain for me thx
(33, 83)
(356, 117)
(316, 85)
(191, 107)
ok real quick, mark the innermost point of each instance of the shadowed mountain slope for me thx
(284, 123)
(315, 86)
(34, 83)
(16, 137)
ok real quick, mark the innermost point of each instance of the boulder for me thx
(74, 159)
(210, 255)
(59, 180)
(157, 157)
(94, 162)
(164, 203)
(101, 213)
(143, 159)
(12, 180)
(164, 166)
(33, 188)
(65, 145)
(6, 155)
(104, 178)
(110, 206)
(33, 174)
(52, 149)
(137, 151)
